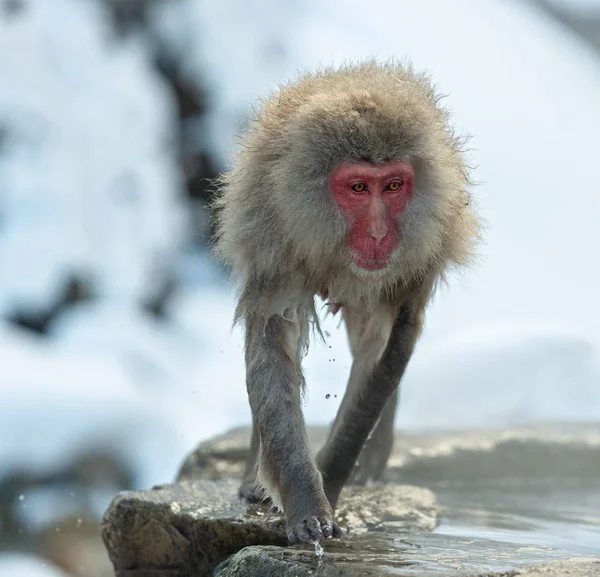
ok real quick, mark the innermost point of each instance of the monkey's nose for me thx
(378, 231)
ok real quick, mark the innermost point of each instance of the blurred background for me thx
(116, 349)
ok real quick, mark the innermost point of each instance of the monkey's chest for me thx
(356, 297)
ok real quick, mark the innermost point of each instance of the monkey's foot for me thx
(370, 465)
(314, 528)
(251, 492)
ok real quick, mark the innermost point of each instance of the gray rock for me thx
(296, 562)
(378, 558)
(186, 529)
(390, 508)
(183, 529)
(555, 450)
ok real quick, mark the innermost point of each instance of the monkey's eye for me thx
(394, 186)
(359, 187)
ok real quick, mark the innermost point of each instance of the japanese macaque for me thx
(351, 185)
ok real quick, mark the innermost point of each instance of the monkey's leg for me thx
(249, 488)
(365, 401)
(374, 456)
(287, 469)
(368, 335)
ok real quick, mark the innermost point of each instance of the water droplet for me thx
(319, 551)
(21, 497)
(327, 396)
(58, 529)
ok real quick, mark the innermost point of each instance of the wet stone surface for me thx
(189, 527)
(183, 529)
(421, 555)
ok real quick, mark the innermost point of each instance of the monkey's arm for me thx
(287, 469)
(366, 400)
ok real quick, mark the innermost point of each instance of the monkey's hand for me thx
(317, 525)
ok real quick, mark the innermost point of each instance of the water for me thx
(507, 500)
(319, 552)
(485, 526)
(558, 514)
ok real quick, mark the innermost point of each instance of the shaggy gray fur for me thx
(284, 237)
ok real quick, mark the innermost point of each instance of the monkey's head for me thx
(373, 198)
(352, 170)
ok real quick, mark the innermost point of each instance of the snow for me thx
(113, 378)
(157, 354)
(57, 405)
(22, 565)
(88, 182)
(503, 375)
(513, 341)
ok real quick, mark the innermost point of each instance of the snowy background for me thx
(116, 352)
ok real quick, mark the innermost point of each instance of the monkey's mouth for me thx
(371, 264)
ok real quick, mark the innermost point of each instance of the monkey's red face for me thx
(372, 196)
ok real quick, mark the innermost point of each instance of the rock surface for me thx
(182, 529)
(555, 450)
(403, 559)
(186, 529)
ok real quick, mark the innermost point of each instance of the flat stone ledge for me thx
(390, 508)
(555, 450)
(184, 529)
(188, 528)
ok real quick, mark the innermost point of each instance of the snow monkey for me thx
(349, 185)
